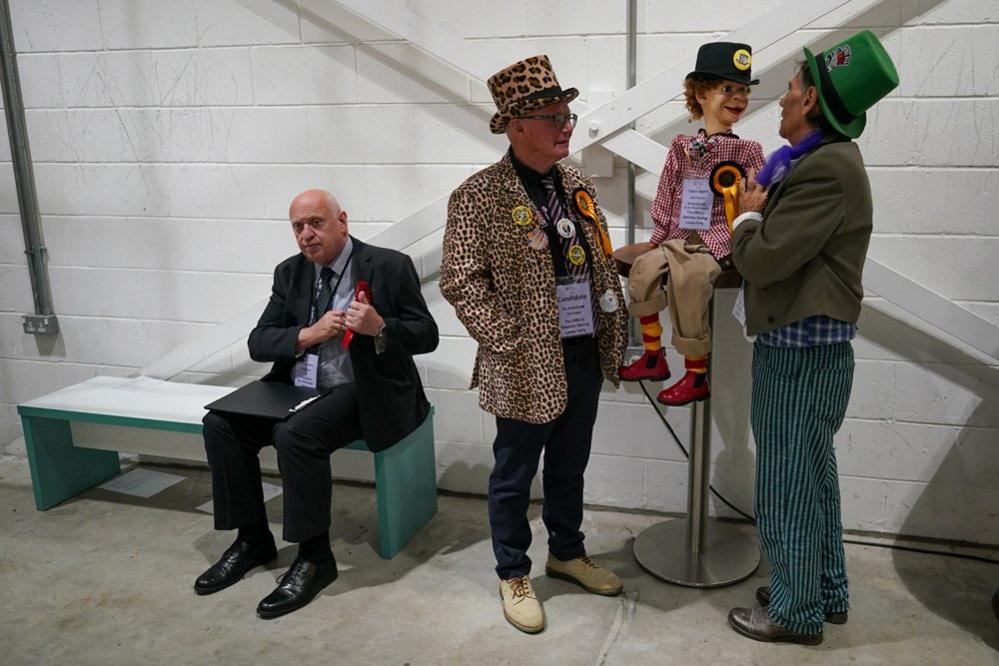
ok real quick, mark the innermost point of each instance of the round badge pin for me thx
(742, 60)
(577, 255)
(565, 228)
(608, 302)
(537, 239)
(522, 216)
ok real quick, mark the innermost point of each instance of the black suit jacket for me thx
(390, 395)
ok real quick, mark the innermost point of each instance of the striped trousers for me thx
(799, 400)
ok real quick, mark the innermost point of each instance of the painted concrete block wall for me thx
(170, 135)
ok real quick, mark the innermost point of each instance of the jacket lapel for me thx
(773, 197)
(361, 266)
(519, 197)
(304, 282)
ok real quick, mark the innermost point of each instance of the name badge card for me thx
(695, 208)
(575, 310)
(306, 371)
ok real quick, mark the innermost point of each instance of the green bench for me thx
(73, 437)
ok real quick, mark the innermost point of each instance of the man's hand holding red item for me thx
(362, 317)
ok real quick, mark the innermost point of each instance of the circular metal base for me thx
(728, 555)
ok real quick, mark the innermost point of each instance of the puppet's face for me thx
(725, 103)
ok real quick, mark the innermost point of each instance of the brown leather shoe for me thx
(763, 596)
(755, 623)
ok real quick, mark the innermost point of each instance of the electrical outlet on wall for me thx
(40, 324)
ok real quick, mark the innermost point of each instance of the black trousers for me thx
(303, 442)
(566, 444)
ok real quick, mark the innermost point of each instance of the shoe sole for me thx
(551, 573)
(799, 639)
(270, 615)
(523, 627)
(681, 404)
(831, 618)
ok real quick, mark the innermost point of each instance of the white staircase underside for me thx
(607, 126)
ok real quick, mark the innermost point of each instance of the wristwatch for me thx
(380, 342)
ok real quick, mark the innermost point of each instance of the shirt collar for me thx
(338, 264)
(703, 133)
(529, 176)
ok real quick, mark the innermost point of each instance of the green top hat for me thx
(850, 77)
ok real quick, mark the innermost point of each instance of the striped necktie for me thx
(572, 247)
(325, 293)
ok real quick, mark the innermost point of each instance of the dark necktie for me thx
(325, 293)
(554, 212)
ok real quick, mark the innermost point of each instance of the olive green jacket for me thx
(807, 255)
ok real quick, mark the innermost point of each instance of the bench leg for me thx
(406, 485)
(60, 470)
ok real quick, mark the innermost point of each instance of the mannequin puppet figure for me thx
(695, 205)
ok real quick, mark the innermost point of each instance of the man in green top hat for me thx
(802, 260)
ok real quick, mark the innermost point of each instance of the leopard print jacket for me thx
(503, 291)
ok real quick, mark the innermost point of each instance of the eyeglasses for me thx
(558, 119)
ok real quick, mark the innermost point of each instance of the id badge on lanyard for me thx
(575, 307)
(306, 371)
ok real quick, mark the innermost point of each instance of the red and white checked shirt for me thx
(666, 207)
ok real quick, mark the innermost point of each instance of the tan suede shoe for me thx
(586, 573)
(521, 607)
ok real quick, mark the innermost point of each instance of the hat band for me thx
(513, 105)
(833, 100)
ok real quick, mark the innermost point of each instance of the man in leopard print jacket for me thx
(527, 267)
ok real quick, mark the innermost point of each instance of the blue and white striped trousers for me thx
(799, 400)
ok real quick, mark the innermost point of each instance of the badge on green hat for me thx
(851, 77)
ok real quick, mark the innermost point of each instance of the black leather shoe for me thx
(233, 565)
(763, 596)
(995, 604)
(297, 587)
(755, 623)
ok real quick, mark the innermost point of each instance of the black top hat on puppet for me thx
(726, 60)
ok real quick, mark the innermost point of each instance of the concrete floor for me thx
(106, 579)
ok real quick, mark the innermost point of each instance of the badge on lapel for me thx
(522, 216)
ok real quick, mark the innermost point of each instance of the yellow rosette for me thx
(724, 181)
(585, 205)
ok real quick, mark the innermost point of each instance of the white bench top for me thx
(137, 398)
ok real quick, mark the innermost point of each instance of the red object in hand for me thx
(361, 288)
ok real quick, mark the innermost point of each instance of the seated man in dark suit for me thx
(346, 318)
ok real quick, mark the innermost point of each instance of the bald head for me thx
(316, 197)
(319, 225)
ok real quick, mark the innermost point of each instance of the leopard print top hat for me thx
(522, 87)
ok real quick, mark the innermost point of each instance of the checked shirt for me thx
(666, 207)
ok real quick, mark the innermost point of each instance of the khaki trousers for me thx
(692, 272)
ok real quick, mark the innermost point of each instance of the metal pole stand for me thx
(697, 551)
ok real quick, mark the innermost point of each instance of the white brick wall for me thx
(170, 135)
